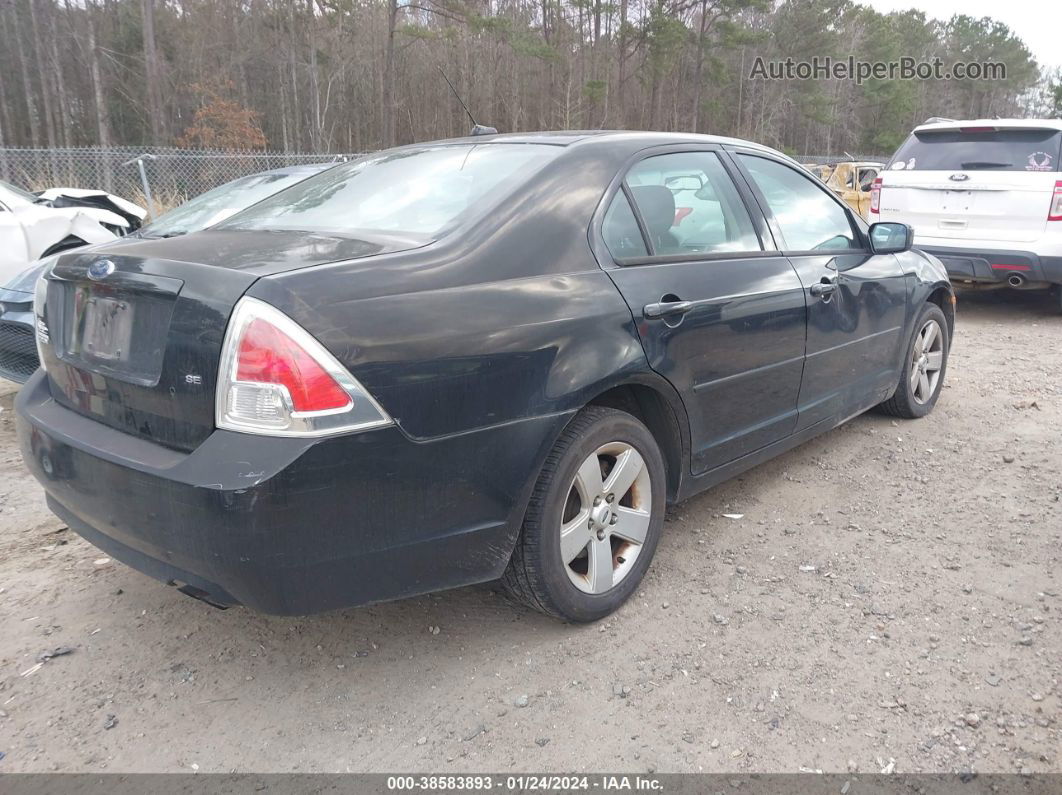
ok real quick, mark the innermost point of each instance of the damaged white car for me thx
(35, 226)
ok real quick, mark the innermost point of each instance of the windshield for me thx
(218, 204)
(407, 191)
(990, 150)
(9, 194)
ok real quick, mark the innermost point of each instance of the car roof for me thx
(636, 138)
(998, 124)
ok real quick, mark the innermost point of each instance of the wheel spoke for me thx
(929, 336)
(923, 387)
(574, 537)
(934, 360)
(629, 465)
(588, 480)
(600, 566)
(915, 373)
(631, 525)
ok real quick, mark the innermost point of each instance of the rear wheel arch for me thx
(658, 412)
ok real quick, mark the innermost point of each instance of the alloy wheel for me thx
(927, 359)
(606, 517)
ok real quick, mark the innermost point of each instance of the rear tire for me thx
(924, 365)
(593, 521)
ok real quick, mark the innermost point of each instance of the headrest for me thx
(657, 205)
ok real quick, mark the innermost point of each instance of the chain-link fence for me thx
(169, 176)
(832, 160)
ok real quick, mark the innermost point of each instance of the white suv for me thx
(985, 196)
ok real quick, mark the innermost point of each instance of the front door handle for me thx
(666, 308)
(824, 289)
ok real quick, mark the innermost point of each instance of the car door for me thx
(720, 314)
(857, 301)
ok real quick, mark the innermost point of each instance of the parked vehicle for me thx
(34, 226)
(853, 182)
(18, 351)
(983, 195)
(450, 363)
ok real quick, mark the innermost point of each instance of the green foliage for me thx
(595, 90)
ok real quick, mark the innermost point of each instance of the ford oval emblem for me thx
(100, 269)
(959, 177)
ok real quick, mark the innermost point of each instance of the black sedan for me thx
(487, 358)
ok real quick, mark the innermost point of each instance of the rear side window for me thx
(689, 205)
(809, 218)
(418, 192)
(990, 150)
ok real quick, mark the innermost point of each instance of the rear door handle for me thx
(824, 289)
(667, 308)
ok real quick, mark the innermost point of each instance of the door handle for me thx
(666, 308)
(824, 289)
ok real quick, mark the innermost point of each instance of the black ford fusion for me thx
(448, 363)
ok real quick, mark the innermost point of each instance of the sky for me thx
(1037, 22)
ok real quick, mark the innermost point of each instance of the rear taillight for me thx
(875, 196)
(1055, 213)
(278, 380)
(40, 312)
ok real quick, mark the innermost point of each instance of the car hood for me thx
(263, 252)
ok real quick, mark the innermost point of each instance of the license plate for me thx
(108, 329)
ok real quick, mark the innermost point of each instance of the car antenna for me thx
(477, 128)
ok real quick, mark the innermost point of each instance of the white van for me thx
(985, 196)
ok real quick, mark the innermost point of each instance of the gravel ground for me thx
(890, 599)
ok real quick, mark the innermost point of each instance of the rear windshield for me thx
(993, 150)
(416, 192)
(218, 204)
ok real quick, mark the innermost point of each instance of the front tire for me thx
(593, 521)
(925, 363)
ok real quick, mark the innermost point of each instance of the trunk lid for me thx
(134, 332)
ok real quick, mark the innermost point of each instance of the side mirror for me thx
(890, 238)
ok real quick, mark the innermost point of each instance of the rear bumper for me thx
(290, 526)
(980, 264)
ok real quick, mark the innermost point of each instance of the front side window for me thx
(809, 218)
(689, 205)
(420, 192)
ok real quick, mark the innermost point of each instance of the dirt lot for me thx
(891, 599)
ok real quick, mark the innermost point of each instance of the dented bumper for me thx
(289, 526)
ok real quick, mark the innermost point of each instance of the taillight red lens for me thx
(875, 196)
(268, 355)
(1055, 213)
